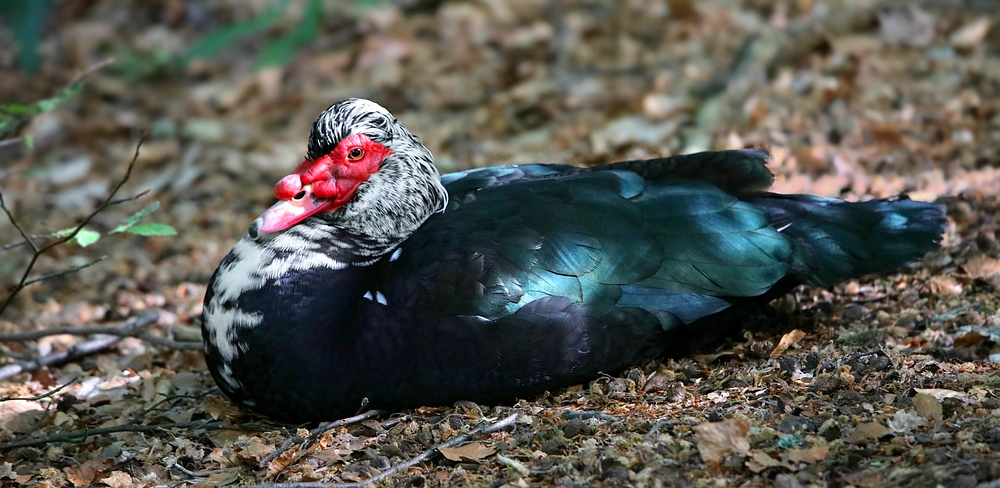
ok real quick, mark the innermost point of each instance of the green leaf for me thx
(29, 142)
(135, 218)
(51, 103)
(86, 237)
(283, 49)
(153, 230)
(221, 39)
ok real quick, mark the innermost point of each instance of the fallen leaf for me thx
(717, 439)
(118, 479)
(982, 266)
(945, 286)
(869, 431)
(80, 475)
(970, 35)
(928, 407)
(473, 451)
(787, 341)
(905, 421)
(226, 477)
(255, 449)
(970, 339)
(811, 455)
(912, 27)
(941, 393)
(514, 465)
(760, 461)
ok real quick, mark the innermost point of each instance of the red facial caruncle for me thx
(323, 184)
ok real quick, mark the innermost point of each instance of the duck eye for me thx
(355, 153)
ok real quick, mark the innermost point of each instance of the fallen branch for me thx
(170, 343)
(38, 251)
(453, 442)
(83, 434)
(42, 396)
(79, 350)
(23, 119)
(114, 331)
(316, 433)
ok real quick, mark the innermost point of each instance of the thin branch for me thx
(170, 344)
(74, 331)
(39, 251)
(113, 331)
(454, 441)
(44, 396)
(10, 216)
(89, 70)
(129, 199)
(82, 434)
(78, 350)
(11, 141)
(22, 242)
(316, 433)
(67, 271)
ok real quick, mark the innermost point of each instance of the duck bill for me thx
(287, 213)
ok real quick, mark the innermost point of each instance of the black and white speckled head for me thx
(387, 205)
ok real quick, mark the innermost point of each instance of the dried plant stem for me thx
(79, 350)
(316, 433)
(42, 396)
(454, 441)
(83, 434)
(38, 251)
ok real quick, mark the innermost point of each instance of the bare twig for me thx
(72, 82)
(169, 343)
(454, 441)
(62, 272)
(38, 251)
(22, 242)
(89, 70)
(82, 434)
(43, 396)
(114, 331)
(78, 350)
(10, 216)
(317, 433)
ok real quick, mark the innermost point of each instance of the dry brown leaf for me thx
(869, 431)
(255, 449)
(473, 451)
(80, 475)
(941, 393)
(970, 35)
(787, 341)
(970, 339)
(118, 479)
(760, 461)
(281, 462)
(982, 266)
(945, 286)
(928, 407)
(717, 439)
(226, 477)
(811, 455)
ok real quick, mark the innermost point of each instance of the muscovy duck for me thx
(374, 282)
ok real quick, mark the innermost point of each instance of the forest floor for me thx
(884, 381)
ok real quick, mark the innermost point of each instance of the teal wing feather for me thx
(674, 247)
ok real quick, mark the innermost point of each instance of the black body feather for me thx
(538, 276)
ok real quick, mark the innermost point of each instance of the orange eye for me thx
(355, 154)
